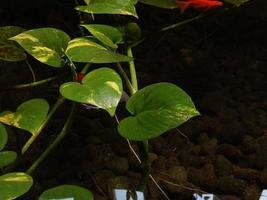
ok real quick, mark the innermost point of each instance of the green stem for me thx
(126, 79)
(31, 70)
(146, 166)
(86, 67)
(181, 23)
(58, 139)
(49, 116)
(132, 69)
(34, 84)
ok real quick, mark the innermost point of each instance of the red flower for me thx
(79, 77)
(198, 4)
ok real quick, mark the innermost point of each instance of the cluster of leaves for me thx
(152, 109)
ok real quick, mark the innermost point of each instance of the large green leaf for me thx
(237, 2)
(14, 184)
(161, 3)
(29, 115)
(122, 7)
(108, 35)
(67, 192)
(101, 88)
(7, 157)
(44, 44)
(156, 108)
(3, 136)
(86, 50)
(9, 50)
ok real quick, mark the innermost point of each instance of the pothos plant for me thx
(153, 109)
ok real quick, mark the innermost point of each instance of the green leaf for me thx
(44, 44)
(7, 157)
(9, 50)
(9, 31)
(122, 7)
(14, 184)
(3, 136)
(101, 88)
(156, 108)
(29, 115)
(67, 192)
(236, 2)
(170, 4)
(108, 35)
(86, 50)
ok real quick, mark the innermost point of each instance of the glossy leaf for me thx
(122, 7)
(156, 108)
(108, 35)
(7, 157)
(236, 2)
(14, 184)
(29, 115)
(67, 192)
(101, 88)
(87, 50)
(161, 3)
(3, 136)
(44, 44)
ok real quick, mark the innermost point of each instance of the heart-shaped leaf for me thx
(161, 3)
(9, 50)
(29, 115)
(7, 157)
(44, 44)
(122, 7)
(14, 184)
(237, 2)
(108, 35)
(67, 192)
(101, 88)
(156, 108)
(10, 31)
(3, 136)
(87, 50)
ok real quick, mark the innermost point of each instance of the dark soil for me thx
(220, 60)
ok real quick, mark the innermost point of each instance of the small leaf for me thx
(170, 4)
(236, 2)
(108, 35)
(3, 136)
(66, 192)
(14, 184)
(44, 44)
(29, 115)
(122, 7)
(156, 108)
(7, 157)
(101, 88)
(86, 50)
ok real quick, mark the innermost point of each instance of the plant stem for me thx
(31, 70)
(86, 67)
(34, 84)
(132, 69)
(181, 23)
(146, 166)
(58, 139)
(49, 116)
(126, 79)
